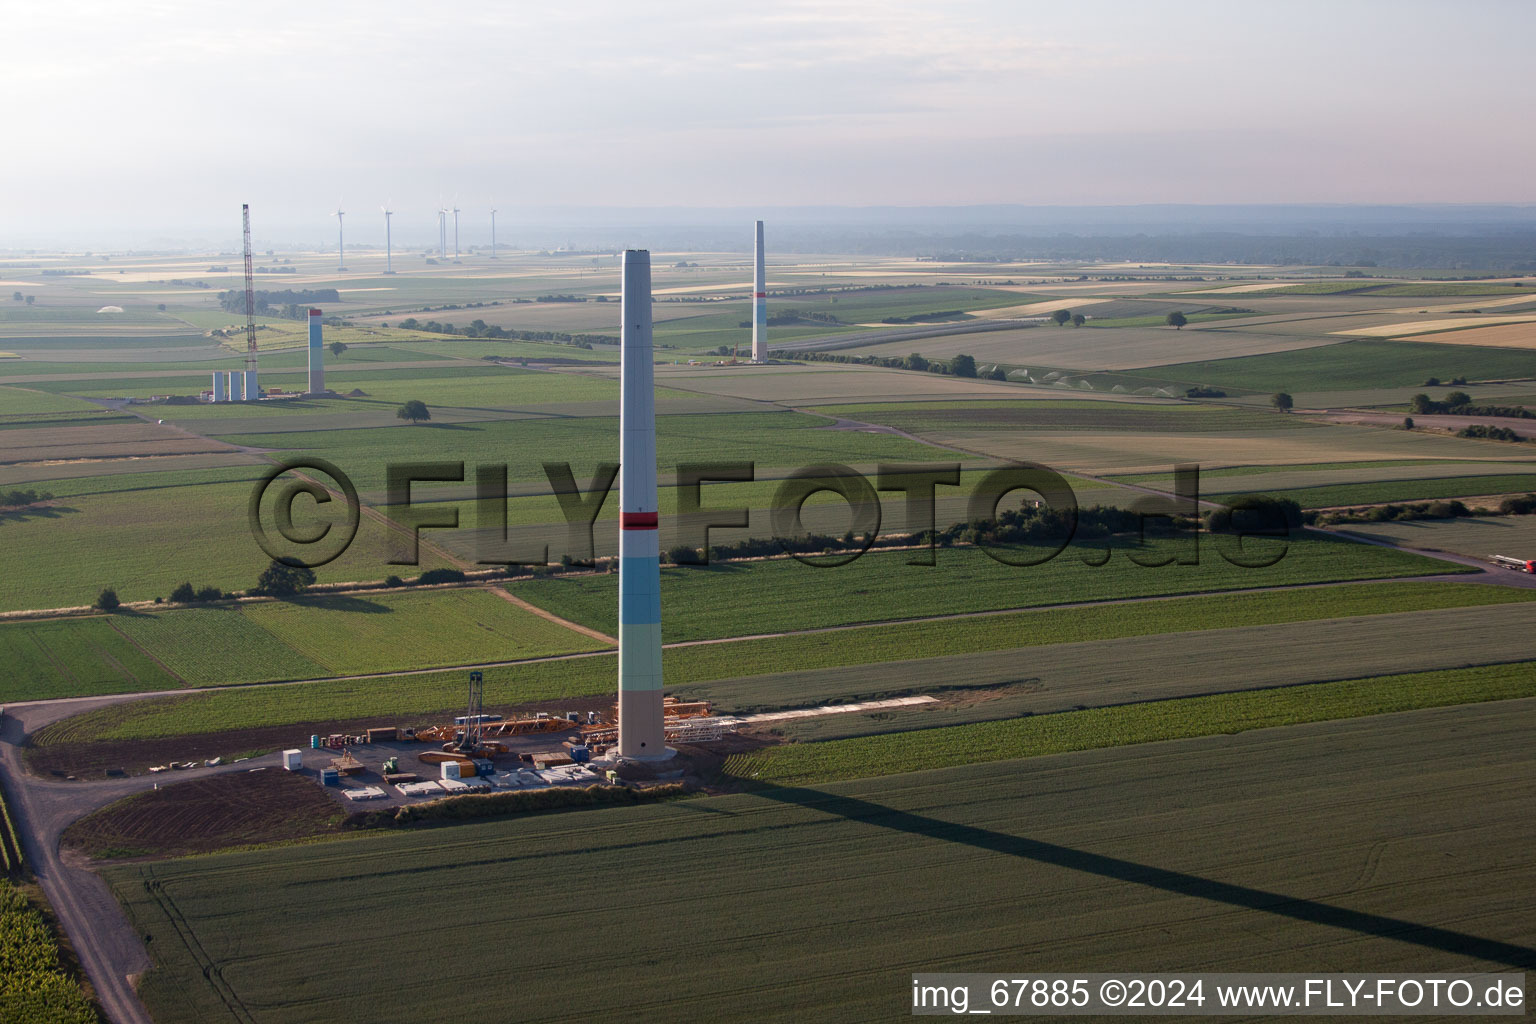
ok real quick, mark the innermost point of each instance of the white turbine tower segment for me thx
(641, 719)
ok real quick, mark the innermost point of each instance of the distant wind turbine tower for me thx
(759, 299)
(341, 249)
(455, 232)
(389, 250)
(493, 233)
(442, 232)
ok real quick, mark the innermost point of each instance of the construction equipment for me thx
(391, 766)
(346, 764)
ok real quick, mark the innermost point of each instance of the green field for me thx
(1397, 490)
(217, 645)
(64, 658)
(143, 543)
(34, 985)
(893, 753)
(1352, 364)
(769, 439)
(306, 638)
(1480, 537)
(732, 599)
(16, 401)
(386, 632)
(709, 669)
(839, 892)
(1056, 415)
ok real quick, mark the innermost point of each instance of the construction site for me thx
(481, 752)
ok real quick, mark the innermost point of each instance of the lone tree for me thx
(1282, 401)
(31, 299)
(283, 580)
(997, 374)
(1176, 320)
(108, 600)
(337, 348)
(963, 366)
(1078, 319)
(414, 411)
(16, 296)
(1061, 316)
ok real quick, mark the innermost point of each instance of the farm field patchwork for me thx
(768, 439)
(733, 599)
(1132, 724)
(1011, 684)
(143, 543)
(1084, 854)
(1354, 364)
(338, 700)
(1101, 347)
(1116, 454)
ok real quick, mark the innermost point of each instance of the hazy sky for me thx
(170, 114)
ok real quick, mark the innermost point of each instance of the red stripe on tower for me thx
(638, 520)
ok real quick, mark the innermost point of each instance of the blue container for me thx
(330, 777)
(314, 742)
(581, 755)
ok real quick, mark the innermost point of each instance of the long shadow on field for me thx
(1041, 852)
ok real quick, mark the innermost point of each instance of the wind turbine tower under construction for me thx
(642, 733)
(759, 299)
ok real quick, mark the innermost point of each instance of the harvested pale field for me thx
(1378, 844)
(1238, 289)
(1514, 536)
(1480, 302)
(1431, 326)
(1114, 453)
(1100, 348)
(117, 440)
(1519, 335)
(1036, 308)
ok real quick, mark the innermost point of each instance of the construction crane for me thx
(250, 309)
(475, 715)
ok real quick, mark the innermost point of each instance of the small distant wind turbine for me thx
(455, 231)
(389, 251)
(341, 249)
(493, 232)
(442, 232)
